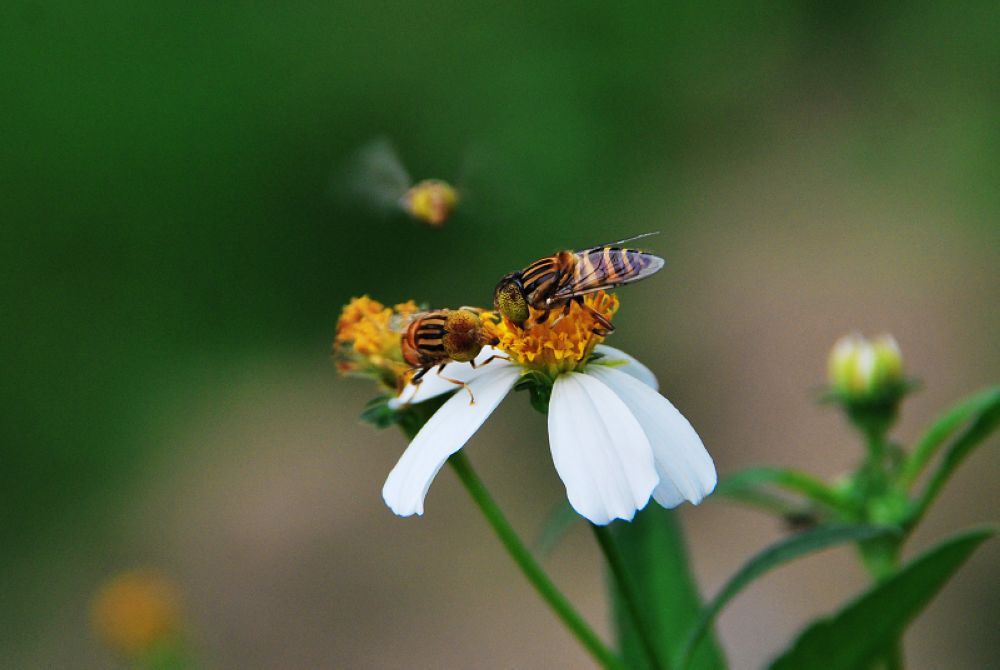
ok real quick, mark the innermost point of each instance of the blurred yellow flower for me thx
(136, 610)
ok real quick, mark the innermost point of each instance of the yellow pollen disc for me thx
(561, 344)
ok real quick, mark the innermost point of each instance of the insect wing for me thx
(602, 268)
(376, 176)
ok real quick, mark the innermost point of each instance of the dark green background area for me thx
(167, 174)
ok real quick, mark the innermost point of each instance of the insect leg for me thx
(488, 360)
(540, 320)
(419, 376)
(605, 327)
(566, 308)
(472, 398)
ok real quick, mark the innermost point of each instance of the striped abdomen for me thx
(423, 342)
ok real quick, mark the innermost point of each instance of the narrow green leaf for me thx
(861, 631)
(772, 557)
(941, 429)
(964, 444)
(554, 528)
(750, 480)
(756, 497)
(652, 548)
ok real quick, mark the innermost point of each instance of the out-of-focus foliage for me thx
(856, 635)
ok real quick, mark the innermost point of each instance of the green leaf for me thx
(772, 557)
(559, 521)
(941, 429)
(746, 484)
(861, 631)
(964, 444)
(652, 548)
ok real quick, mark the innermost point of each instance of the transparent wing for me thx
(599, 279)
(375, 175)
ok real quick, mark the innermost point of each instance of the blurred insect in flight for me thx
(558, 280)
(379, 178)
(441, 336)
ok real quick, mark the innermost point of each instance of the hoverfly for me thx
(556, 281)
(441, 336)
(379, 178)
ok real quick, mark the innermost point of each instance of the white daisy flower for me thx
(615, 440)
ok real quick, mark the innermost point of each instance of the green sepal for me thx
(378, 413)
(539, 387)
(408, 417)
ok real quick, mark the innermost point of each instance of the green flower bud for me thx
(862, 369)
(866, 378)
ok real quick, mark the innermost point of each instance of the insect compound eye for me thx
(509, 299)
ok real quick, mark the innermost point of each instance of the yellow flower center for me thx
(367, 340)
(564, 342)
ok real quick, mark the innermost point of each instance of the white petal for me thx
(433, 384)
(599, 449)
(613, 358)
(686, 470)
(444, 433)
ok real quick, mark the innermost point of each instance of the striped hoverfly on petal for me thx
(555, 281)
(436, 338)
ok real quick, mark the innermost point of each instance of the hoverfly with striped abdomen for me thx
(441, 336)
(555, 281)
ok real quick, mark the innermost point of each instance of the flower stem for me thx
(531, 569)
(629, 595)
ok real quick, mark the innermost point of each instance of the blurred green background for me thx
(174, 263)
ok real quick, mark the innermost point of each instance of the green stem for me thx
(880, 556)
(531, 569)
(628, 593)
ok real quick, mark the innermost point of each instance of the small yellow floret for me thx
(135, 611)
(561, 344)
(367, 340)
